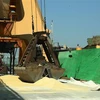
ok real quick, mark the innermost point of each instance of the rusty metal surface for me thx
(31, 70)
(34, 72)
(57, 72)
(29, 74)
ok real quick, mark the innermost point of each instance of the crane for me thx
(23, 26)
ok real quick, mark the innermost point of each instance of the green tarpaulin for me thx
(81, 64)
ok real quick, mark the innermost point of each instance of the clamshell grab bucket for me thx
(31, 74)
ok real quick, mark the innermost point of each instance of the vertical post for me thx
(10, 61)
(45, 27)
(13, 61)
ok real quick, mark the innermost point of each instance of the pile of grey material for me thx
(95, 40)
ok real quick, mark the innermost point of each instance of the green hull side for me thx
(83, 65)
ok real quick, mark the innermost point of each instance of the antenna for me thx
(52, 31)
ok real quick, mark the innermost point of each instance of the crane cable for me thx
(45, 27)
(32, 17)
(41, 15)
(36, 15)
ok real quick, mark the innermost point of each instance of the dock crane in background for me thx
(23, 26)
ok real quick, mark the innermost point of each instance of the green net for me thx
(82, 64)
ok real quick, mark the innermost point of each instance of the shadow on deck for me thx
(8, 94)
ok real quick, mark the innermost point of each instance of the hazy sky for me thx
(73, 20)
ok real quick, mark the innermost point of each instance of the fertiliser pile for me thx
(45, 83)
